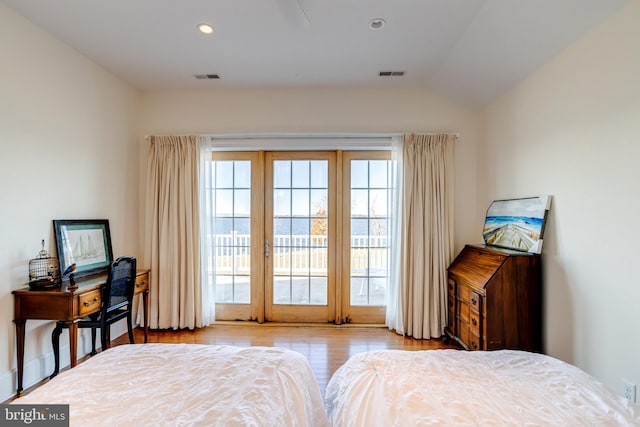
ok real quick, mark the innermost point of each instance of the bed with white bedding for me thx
(187, 385)
(461, 388)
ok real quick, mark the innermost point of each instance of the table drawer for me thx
(142, 283)
(89, 302)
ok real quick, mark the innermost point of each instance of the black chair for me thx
(117, 303)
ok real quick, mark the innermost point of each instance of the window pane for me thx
(378, 203)
(319, 203)
(242, 227)
(359, 261)
(242, 203)
(224, 174)
(300, 226)
(359, 174)
(319, 232)
(318, 261)
(359, 228)
(224, 288)
(319, 174)
(359, 202)
(378, 232)
(378, 173)
(282, 174)
(224, 202)
(281, 202)
(223, 225)
(242, 290)
(282, 290)
(281, 226)
(300, 174)
(318, 291)
(300, 290)
(242, 174)
(281, 261)
(300, 202)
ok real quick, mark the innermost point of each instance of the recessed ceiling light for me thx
(205, 28)
(377, 23)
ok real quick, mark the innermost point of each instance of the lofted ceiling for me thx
(470, 51)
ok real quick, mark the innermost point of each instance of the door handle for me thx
(266, 248)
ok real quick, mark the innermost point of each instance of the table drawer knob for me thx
(474, 321)
(88, 303)
(474, 301)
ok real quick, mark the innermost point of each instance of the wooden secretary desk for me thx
(495, 299)
(64, 304)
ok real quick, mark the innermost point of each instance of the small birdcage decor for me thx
(44, 271)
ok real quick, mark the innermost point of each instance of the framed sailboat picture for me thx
(85, 243)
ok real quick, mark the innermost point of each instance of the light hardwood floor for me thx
(326, 347)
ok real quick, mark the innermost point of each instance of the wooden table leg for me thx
(20, 350)
(73, 343)
(145, 302)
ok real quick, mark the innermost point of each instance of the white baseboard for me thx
(35, 370)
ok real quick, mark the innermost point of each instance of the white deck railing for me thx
(294, 254)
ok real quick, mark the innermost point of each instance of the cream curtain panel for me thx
(172, 232)
(422, 235)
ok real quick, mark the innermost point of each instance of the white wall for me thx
(572, 130)
(68, 150)
(325, 110)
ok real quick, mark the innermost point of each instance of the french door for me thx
(300, 236)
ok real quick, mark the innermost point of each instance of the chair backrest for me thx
(118, 291)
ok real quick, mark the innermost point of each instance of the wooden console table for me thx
(69, 306)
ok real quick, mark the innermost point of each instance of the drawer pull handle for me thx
(474, 344)
(474, 301)
(474, 321)
(87, 303)
(138, 285)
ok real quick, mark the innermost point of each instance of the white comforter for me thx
(460, 388)
(188, 385)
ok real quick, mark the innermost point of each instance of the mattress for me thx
(187, 385)
(460, 388)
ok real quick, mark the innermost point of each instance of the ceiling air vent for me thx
(391, 73)
(207, 76)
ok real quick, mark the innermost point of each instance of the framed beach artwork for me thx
(517, 224)
(85, 243)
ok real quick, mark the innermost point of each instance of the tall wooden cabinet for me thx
(495, 299)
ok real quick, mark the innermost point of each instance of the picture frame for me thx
(517, 224)
(85, 243)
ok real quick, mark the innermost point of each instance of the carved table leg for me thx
(20, 343)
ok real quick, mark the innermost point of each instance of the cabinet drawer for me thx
(142, 283)
(451, 286)
(463, 293)
(475, 301)
(474, 342)
(463, 331)
(89, 302)
(474, 323)
(463, 311)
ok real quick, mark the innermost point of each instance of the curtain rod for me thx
(309, 135)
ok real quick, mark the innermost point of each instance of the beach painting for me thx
(517, 223)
